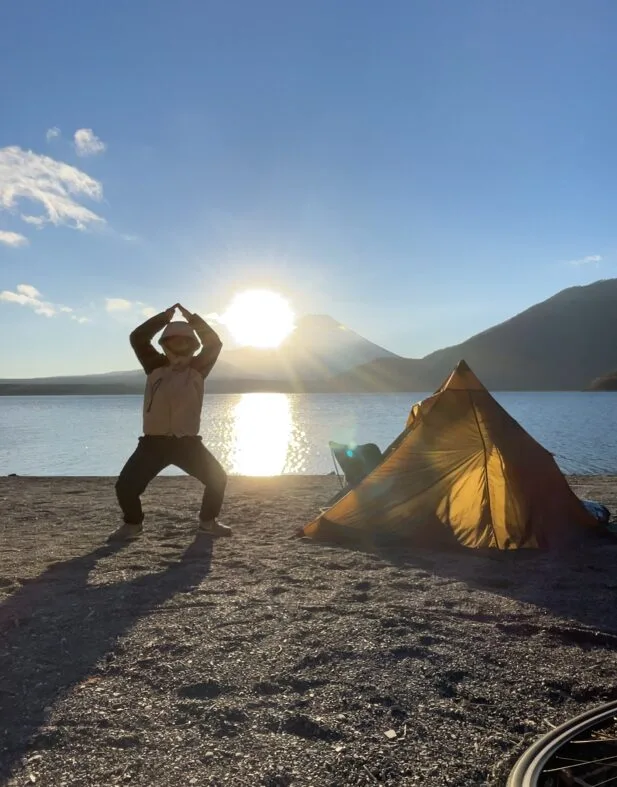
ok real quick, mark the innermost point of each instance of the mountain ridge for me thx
(318, 349)
(562, 343)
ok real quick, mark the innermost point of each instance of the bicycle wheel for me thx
(535, 769)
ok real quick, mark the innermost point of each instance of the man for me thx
(172, 418)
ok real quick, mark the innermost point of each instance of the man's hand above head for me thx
(184, 312)
(169, 313)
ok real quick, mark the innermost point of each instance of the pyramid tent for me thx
(465, 471)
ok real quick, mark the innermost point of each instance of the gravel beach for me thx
(269, 660)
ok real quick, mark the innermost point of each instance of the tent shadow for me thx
(575, 583)
(57, 627)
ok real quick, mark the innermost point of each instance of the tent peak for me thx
(462, 378)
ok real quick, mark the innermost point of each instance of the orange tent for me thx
(463, 470)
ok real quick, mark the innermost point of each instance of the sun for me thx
(259, 318)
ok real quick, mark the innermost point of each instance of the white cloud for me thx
(13, 239)
(123, 305)
(54, 186)
(87, 143)
(28, 290)
(27, 295)
(117, 305)
(591, 259)
(52, 133)
(145, 310)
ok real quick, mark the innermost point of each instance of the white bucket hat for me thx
(178, 329)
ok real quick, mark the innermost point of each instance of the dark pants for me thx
(154, 454)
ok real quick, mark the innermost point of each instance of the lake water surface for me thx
(268, 434)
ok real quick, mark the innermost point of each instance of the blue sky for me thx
(418, 170)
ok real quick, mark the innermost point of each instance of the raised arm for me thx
(210, 344)
(141, 341)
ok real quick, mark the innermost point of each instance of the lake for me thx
(269, 434)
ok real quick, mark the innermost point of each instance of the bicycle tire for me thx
(532, 762)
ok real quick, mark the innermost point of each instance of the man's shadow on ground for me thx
(55, 629)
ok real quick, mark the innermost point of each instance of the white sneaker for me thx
(126, 533)
(213, 528)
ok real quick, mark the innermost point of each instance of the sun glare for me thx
(259, 318)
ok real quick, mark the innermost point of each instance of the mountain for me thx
(385, 375)
(318, 348)
(118, 381)
(559, 344)
(224, 371)
(607, 382)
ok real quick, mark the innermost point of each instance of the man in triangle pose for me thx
(172, 418)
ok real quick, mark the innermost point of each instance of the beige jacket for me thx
(173, 397)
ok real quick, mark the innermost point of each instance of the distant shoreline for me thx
(23, 389)
(32, 393)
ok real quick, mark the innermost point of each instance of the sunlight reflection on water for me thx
(270, 433)
(262, 434)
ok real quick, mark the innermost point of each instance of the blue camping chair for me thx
(356, 462)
